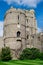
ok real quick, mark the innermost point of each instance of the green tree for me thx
(6, 54)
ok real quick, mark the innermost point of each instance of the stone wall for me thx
(1, 42)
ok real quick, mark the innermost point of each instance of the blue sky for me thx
(37, 5)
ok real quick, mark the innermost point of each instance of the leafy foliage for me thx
(35, 53)
(5, 54)
(29, 53)
(41, 56)
(26, 54)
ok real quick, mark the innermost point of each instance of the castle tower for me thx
(31, 27)
(14, 30)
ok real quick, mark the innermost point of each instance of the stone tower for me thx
(31, 28)
(19, 30)
(15, 30)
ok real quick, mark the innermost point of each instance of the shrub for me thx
(41, 56)
(28, 53)
(5, 54)
(35, 53)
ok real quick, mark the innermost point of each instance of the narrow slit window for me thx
(27, 20)
(18, 17)
(27, 36)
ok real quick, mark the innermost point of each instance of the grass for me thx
(22, 62)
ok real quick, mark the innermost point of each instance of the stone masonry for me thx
(20, 31)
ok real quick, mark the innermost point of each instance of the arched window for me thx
(18, 34)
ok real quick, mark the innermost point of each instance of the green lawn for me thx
(23, 62)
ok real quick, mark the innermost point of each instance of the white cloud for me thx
(30, 3)
(1, 28)
(39, 30)
(12, 1)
